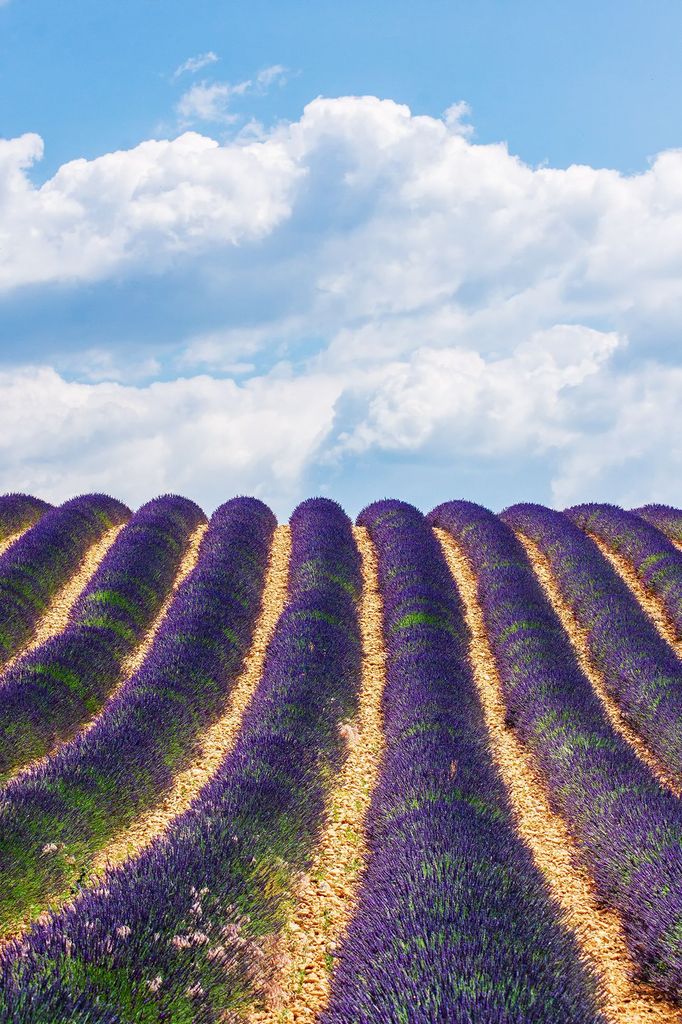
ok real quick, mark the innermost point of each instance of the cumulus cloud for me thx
(194, 64)
(172, 435)
(137, 208)
(523, 401)
(556, 397)
(420, 296)
(634, 454)
(432, 217)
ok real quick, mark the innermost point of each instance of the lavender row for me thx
(641, 672)
(665, 518)
(654, 558)
(52, 691)
(97, 783)
(454, 921)
(34, 568)
(18, 512)
(628, 829)
(179, 933)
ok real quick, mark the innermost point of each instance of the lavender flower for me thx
(665, 518)
(18, 512)
(34, 568)
(655, 559)
(240, 844)
(627, 828)
(49, 693)
(641, 672)
(454, 921)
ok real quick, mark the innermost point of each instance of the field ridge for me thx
(420, 768)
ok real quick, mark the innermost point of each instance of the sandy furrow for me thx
(220, 738)
(578, 638)
(56, 617)
(597, 930)
(648, 601)
(187, 563)
(325, 898)
(135, 659)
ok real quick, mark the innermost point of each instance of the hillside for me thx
(410, 770)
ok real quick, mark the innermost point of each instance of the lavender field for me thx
(412, 770)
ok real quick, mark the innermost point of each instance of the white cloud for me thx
(198, 435)
(524, 401)
(210, 437)
(457, 305)
(209, 102)
(637, 458)
(276, 73)
(454, 116)
(194, 64)
(100, 364)
(221, 351)
(138, 208)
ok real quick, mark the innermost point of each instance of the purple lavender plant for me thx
(178, 934)
(628, 829)
(454, 922)
(641, 672)
(98, 782)
(654, 558)
(18, 512)
(665, 518)
(41, 561)
(49, 693)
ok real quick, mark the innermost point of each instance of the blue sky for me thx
(567, 83)
(598, 83)
(360, 249)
